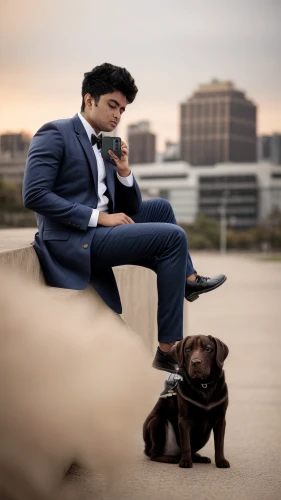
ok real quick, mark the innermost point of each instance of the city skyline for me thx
(48, 48)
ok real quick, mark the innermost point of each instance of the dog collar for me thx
(204, 385)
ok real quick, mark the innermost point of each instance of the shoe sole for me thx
(195, 295)
(163, 368)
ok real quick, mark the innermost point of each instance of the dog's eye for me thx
(188, 349)
(208, 349)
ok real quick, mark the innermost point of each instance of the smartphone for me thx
(112, 143)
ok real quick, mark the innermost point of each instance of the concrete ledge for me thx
(25, 260)
(137, 285)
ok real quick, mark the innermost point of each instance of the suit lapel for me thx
(86, 145)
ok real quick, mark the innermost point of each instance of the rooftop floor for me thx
(245, 314)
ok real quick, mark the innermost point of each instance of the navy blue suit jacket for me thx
(60, 185)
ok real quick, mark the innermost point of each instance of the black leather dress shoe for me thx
(202, 285)
(164, 361)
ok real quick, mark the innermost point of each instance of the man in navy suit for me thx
(91, 216)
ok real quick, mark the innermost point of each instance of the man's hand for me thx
(113, 219)
(122, 163)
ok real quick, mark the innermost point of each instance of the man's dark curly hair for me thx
(105, 79)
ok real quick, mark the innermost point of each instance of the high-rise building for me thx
(263, 148)
(275, 149)
(269, 148)
(12, 144)
(13, 152)
(142, 143)
(218, 124)
(172, 151)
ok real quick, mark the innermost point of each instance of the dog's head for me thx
(200, 356)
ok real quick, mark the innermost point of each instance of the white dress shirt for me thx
(102, 199)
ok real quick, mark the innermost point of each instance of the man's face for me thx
(106, 114)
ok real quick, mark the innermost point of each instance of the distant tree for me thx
(204, 233)
(268, 232)
(10, 195)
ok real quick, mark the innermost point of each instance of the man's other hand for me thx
(113, 219)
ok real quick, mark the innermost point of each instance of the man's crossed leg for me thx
(155, 241)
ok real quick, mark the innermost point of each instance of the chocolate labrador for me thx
(195, 404)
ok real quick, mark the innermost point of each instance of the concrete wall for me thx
(137, 285)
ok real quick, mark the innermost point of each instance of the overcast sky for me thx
(169, 46)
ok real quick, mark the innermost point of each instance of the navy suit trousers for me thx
(155, 241)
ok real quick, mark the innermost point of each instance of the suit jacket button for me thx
(85, 245)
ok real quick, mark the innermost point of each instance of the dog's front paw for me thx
(185, 464)
(223, 464)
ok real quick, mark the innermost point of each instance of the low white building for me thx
(250, 190)
(12, 168)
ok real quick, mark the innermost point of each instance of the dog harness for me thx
(172, 388)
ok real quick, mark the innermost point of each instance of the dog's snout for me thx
(196, 361)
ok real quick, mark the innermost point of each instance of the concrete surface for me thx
(11, 239)
(246, 314)
(16, 252)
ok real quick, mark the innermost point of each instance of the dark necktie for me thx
(96, 140)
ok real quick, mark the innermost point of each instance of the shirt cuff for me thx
(93, 222)
(126, 181)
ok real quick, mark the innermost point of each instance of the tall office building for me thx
(142, 143)
(172, 151)
(269, 148)
(218, 124)
(13, 152)
(275, 149)
(13, 144)
(263, 148)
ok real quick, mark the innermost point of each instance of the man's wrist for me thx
(124, 173)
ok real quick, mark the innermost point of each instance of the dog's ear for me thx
(178, 352)
(222, 351)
